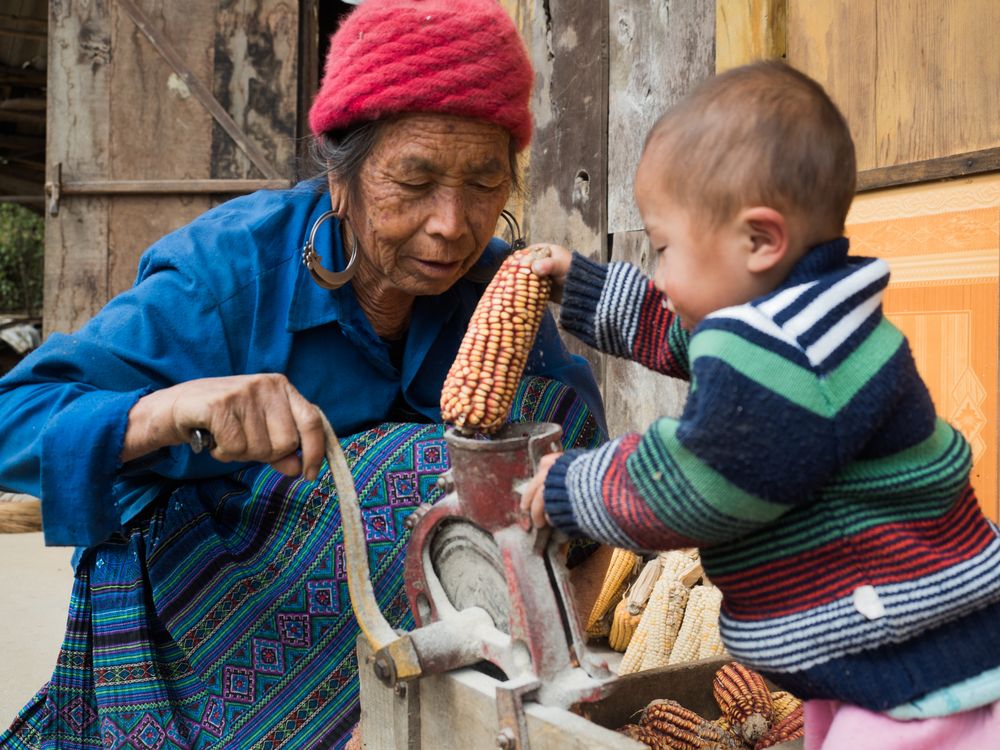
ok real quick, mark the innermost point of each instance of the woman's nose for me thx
(448, 217)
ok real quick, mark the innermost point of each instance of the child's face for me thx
(700, 268)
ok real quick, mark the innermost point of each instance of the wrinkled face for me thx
(700, 268)
(431, 193)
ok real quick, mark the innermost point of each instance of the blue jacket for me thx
(225, 295)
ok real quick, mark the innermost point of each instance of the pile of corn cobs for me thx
(666, 614)
(752, 717)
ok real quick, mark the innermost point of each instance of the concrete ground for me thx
(35, 583)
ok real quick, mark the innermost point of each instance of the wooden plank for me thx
(634, 396)
(24, 104)
(748, 30)
(937, 79)
(959, 165)
(134, 187)
(194, 84)
(169, 119)
(256, 82)
(22, 77)
(309, 72)
(567, 181)
(21, 23)
(76, 239)
(834, 43)
(658, 52)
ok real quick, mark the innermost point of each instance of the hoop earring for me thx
(310, 258)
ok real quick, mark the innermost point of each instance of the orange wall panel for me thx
(942, 243)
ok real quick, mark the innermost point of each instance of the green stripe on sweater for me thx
(823, 396)
(711, 488)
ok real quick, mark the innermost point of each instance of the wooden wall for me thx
(133, 147)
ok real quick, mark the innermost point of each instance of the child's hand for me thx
(556, 266)
(533, 497)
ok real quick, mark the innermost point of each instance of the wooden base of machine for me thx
(457, 710)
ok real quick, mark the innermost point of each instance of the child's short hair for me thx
(760, 134)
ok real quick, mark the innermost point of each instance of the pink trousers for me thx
(831, 725)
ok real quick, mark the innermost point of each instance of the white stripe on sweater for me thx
(815, 311)
(618, 309)
(784, 298)
(827, 344)
(800, 641)
(583, 482)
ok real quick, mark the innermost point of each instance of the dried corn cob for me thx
(680, 567)
(638, 593)
(654, 618)
(623, 625)
(784, 704)
(790, 728)
(667, 612)
(700, 625)
(480, 385)
(644, 735)
(711, 640)
(683, 729)
(744, 700)
(621, 568)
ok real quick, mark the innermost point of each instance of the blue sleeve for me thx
(64, 408)
(551, 359)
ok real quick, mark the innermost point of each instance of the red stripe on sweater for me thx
(629, 510)
(832, 571)
(650, 347)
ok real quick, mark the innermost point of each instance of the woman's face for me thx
(430, 196)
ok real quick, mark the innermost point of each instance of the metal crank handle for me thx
(201, 440)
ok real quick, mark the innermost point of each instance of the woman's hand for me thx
(556, 266)
(251, 417)
(533, 497)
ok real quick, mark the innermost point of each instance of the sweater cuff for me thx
(581, 294)
(558, 506)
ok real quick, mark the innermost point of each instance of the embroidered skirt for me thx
(223, 619)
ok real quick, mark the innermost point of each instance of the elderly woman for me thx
(210, 606)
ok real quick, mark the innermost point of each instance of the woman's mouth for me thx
(438, 268)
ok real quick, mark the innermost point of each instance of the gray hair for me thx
(343, 154)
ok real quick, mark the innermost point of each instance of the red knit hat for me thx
(458, 57)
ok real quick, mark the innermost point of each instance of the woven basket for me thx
(19, 513)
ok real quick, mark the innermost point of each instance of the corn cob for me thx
(645, 735)
(642, 587)
(711, 639)
(699, 616)
(744, 700)
(790, 728)
(667, 613)
(784, 704)
(623, 625)
(683, 729)
(621, 568)
(477, 393)
(678, 566)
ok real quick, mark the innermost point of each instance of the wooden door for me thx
(157, 110)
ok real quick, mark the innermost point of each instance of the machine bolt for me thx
(384, 670)
(506, 740)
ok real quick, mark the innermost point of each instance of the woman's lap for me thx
(224, 620)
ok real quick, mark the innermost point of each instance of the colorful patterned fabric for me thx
(223, 619)
(832, 506)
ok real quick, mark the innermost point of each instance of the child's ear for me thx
(768, 234)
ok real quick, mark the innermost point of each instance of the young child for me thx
(832, 508)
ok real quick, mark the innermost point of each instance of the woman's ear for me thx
(768, 234)
(338, 195)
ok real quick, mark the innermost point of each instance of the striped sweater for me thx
(832, 507)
